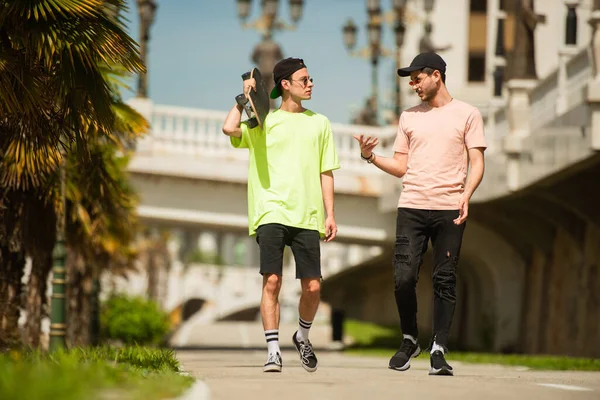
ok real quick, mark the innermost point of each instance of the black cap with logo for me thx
(284, 69)
(424, 60)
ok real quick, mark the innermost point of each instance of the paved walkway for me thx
(237, 373)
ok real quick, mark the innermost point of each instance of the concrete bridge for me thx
(530, 263)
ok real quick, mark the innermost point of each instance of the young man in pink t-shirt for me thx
(436, 143)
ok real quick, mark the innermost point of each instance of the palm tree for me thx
(55, 104)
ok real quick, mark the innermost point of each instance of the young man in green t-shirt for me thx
(290, 199)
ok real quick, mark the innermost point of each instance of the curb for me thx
(198, 391)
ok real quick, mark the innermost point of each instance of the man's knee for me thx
(444, 280)
(311, 287)
(404, 279)
(272, 284)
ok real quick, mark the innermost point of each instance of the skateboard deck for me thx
(256, 104)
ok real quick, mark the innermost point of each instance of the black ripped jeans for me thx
(414, 228)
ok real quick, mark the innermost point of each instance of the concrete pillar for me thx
(519, 121)
(145, 107)
(491, 133)
(227, 248)
(565, 53)
(189, 243)
(593, 94)
(252, 252)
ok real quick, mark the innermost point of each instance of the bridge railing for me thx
(561, 91)
(197, 133)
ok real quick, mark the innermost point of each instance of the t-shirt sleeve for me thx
(329, 157)
(245, 141)
(401, 142)
(474, 135)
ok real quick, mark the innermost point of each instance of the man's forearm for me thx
(389, 165)
(475, 177)
(231, 126)
(327, 189)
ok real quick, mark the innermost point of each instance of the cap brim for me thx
(407, 70)
(275, 93)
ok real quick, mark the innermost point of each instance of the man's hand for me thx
(249, 84)
(330, 229)
(366, 144)
(463, 210)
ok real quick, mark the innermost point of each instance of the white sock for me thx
(304, 327)
(436, 347)
(411, 338)
(272, 337)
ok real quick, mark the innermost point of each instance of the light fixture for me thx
(243, 7)
(296, 10)
(350, 34)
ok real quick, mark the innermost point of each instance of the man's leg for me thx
(411, 243)
(271, 241)
(306, 247)
(446, 240)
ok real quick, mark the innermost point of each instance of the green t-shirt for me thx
(287, 158)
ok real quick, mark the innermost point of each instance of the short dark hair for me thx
(429, 71)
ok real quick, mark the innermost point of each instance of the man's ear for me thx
(285, 84)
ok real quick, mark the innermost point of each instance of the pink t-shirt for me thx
(436, 140)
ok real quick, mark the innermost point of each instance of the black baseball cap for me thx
(424, 60)
(284, 69)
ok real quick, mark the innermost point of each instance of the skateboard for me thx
(256, 104)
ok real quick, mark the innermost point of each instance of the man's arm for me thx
(477, 166)
(231, 126)
(394, 166)
(327, 189)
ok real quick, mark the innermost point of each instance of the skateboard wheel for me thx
(246, 76)
(241, 99)
(252, 123)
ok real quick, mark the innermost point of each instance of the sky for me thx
(198, 51)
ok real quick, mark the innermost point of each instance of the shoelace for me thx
(273, 359)
(406, 347)
(306, 351)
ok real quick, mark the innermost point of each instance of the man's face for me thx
(426, 86)
(300, 85)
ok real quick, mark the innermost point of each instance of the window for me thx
(477, 67)
(478, 6)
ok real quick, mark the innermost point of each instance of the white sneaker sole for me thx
(272, 368)
(407, 365)
(441, 372)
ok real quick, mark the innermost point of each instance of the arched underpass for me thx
(366, 292)
(529, 274)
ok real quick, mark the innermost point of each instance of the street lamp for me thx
(146, 12)
(428, 5)
(296, 10)
(375, 50)
(267, 53)
(243, 7)
(350, 34)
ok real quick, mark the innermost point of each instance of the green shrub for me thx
(133, 320)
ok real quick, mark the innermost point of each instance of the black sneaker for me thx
(439, 366)
(273, 363)
(401, 360)
(307, 355)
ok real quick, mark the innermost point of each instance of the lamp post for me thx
(399, 31)
(267, 53)
(374, 51)
(146, 12)
(58, 300)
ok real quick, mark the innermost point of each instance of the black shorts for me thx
(305, 245)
